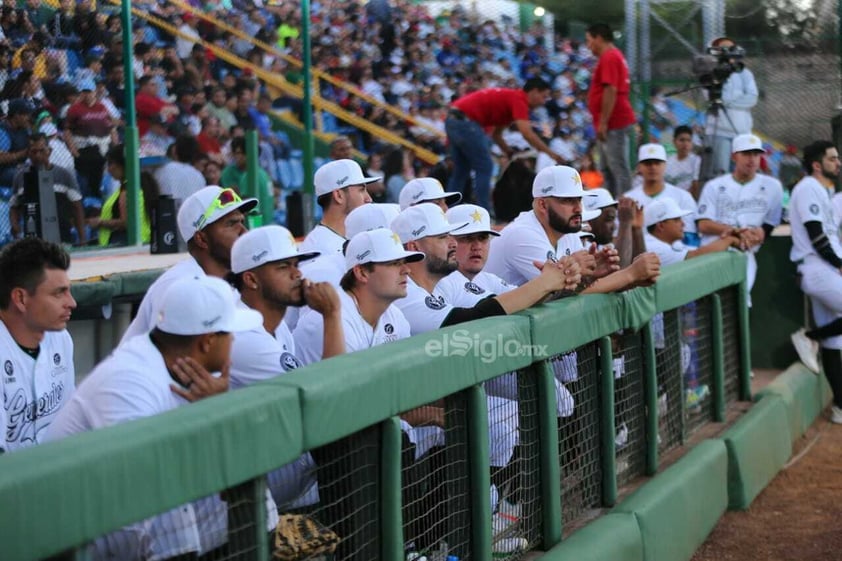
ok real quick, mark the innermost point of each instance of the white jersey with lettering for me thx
(683, 198)
(34, 390)
(359, 335)
(145, 318)
(462, 292)
(324, 239)
(752, 204)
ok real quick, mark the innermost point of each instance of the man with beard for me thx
(340, 188)
(425, 228)
(209, 220)
(550, 231)
(264, 267)
(817, 252)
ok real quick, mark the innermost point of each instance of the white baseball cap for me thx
(369, 217)
(602, 199)
(380, 245)
(199, 305)
(558, 181)
(662, 209)
(265, 245)
(339, 174)
(206, 206)
(421, 221)
(747, 143)
(588, 215)
(425, 189)
(651, 152)
(479, 222)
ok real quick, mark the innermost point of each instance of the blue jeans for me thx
(614, 161)
(470, 149)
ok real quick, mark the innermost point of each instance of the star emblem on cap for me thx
(291, 239)
(576, 179)
(651, 150)
(396, 238)
(476, 216)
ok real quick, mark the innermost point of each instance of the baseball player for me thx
(550, 232)
(264, 263)
(743, 203)
(817, 252)
(427, 190)
(38, 377)
(620, 223)
(652, 165)
(340, 188)
(153, 373)
(209, 220)
(664, 233)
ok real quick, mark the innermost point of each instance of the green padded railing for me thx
(62, 495)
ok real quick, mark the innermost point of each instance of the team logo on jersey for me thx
(473, 288)
(434, 303)
(389, 328)
(551, 256)
(7, 366)
(289, 362)
(702, 208)
(814, 209)
(56, 359)
(722, 188)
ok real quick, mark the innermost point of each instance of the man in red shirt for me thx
(608, 102)
(490, 110)
(148, 104)
(88, 132)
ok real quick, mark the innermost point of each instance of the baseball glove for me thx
(300, 537)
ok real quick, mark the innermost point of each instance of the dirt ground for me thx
(798, 517)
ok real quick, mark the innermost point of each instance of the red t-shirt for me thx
(611, 70)
(208, 144)
(494, 107)
(146, 106)
(83, 120)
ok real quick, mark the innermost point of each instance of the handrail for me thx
(347, 86)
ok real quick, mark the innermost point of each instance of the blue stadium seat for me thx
(286, 174)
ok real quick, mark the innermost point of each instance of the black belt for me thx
(457, 114)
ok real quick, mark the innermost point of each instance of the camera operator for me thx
(738, 95)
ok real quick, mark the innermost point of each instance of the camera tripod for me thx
(716, 110)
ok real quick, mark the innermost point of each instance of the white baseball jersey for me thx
(667, 253)
(133, 383)
(424, 311)
(752, 204)
(462, 292)
(521, 243)
(811, 202)
(259, 355)
(836, 201)
(683, 198)
(682, 173)
(359, 335)
(321, 238)
(34, 390)
(145, 318)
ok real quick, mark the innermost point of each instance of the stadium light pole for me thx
(131, 142)
(308, 190)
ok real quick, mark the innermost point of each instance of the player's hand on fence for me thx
(607, 260)
(572, 273)
(645, 269)
(196, 382)
(321, 296)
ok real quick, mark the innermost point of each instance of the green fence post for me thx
(650, 398)
(745, 342)
(718, 351)
(609, 461)
(308, 190)
(550, 466)
(480, 473)
(390, 504)
(251, 187)
(258, 495)
(131, 141)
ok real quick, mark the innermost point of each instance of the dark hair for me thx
(814, 153)
(164, 340)
(535, 84)
(22, 265)
(349, 279)
(682, 129)
(238, 144)
(37, 137)
(187, 148)
(116, 155)
(151, 192)
(601, 30)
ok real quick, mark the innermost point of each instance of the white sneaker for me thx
(836, 415)
(807, 349)
(510, 545)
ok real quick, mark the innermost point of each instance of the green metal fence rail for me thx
(567, 467)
